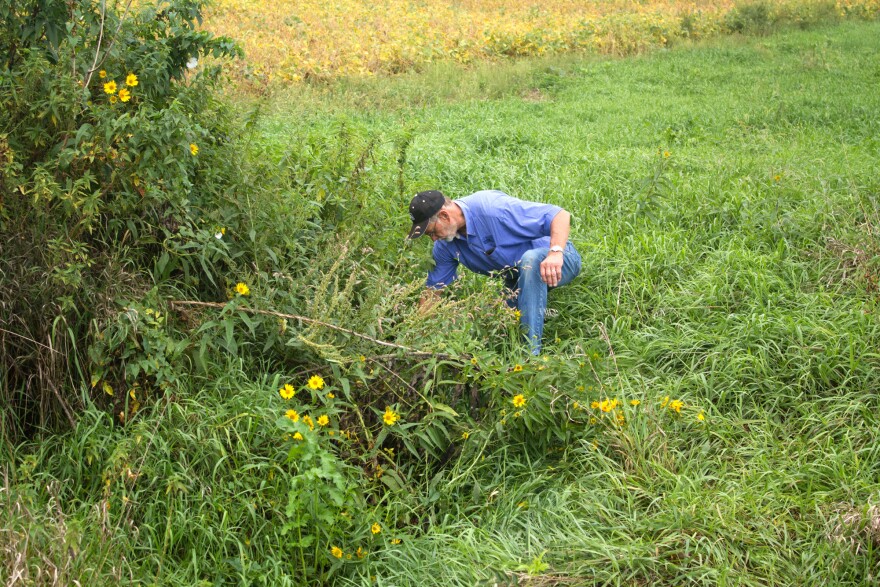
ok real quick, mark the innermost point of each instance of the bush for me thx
(751, 19)
(102, 161)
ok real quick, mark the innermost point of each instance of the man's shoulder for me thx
(483, 197)
(486, 202)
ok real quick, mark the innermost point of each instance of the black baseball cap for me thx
(422, 207)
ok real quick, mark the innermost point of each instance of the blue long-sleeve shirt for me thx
(500, 228)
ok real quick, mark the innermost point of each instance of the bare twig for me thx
(98, 49)
(177, 303)
(97, 64)
(29, 340)
(402, 380)
(608, 342)
(51, 381)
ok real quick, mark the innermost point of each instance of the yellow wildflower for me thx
(517, 368)
(297, 436)
(336, 551)
(375, 528)
(323, 420)
(665, 154)
(331, 395)
(242, 289)
(517, 314)
(395, 541)
(634, 402)
(194, 149)
(287, 391)
(576, 405)
(390, 417)
(102, 74)
(131, 80)
(307, 420)
(664, 402)
(474, 361)
(112, 99)
(360, 552)
(594, 405)
(519, 401)
(465, 435)
(316, 382)
(292, 414)
(110, 87)
(124, 95)
(701, 417)
(606, 405)
(676, 405)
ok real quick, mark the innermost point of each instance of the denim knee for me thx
(532, 259)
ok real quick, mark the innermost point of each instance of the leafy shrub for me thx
(752, 18)
(108, 124)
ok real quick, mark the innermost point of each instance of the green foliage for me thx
(753, 18)
(102, 119)
(704, 413)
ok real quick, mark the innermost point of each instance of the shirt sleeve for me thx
(445, 267)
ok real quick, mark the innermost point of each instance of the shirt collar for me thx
(468, 224)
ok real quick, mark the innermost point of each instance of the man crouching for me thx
(492, 233)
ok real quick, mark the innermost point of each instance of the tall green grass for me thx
(726, 206)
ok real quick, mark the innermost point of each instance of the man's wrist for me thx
(556, 249)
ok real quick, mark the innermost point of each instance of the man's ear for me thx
(444, 215)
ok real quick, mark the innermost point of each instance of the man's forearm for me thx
(560, 228)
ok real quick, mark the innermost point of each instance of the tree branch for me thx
(178, 303)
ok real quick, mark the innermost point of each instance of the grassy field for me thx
(726, 199)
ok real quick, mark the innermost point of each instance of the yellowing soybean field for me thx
(300, 39)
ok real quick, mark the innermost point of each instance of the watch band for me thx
(556, 249)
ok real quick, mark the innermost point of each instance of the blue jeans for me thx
(531, 292)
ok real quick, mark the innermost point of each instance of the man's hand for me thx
(551, 269)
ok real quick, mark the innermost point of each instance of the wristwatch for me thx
(556, 249)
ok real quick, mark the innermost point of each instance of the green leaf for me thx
(444, 408)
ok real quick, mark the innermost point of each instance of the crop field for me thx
(239, 386)
(299, 39)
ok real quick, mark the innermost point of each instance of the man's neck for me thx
(458, 219)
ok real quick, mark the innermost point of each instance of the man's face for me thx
(441, 229)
